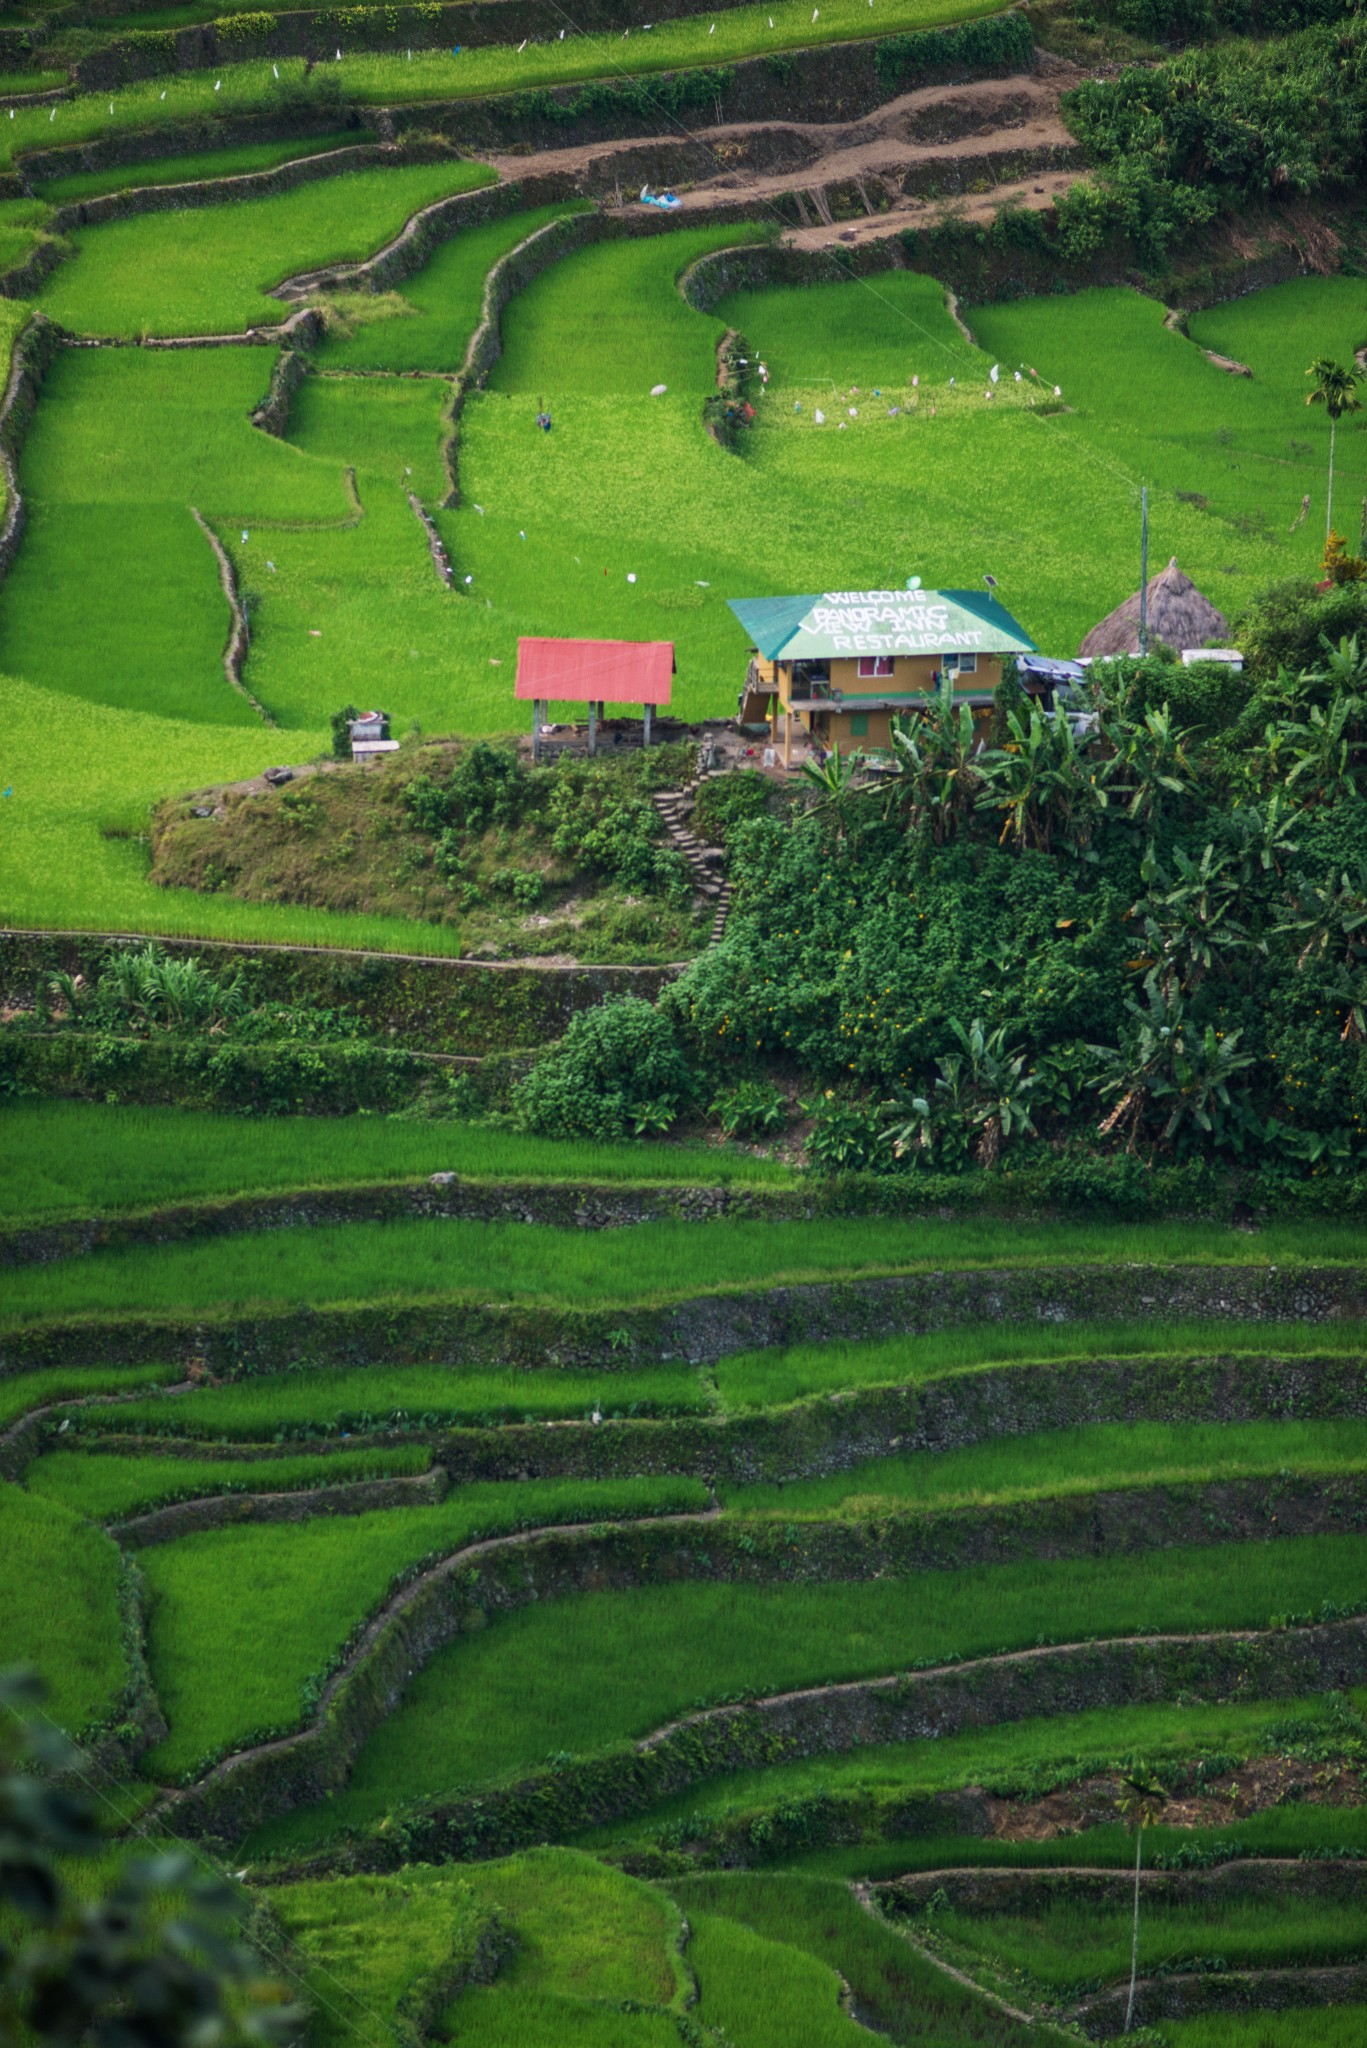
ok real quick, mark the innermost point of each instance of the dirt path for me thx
(942, 138)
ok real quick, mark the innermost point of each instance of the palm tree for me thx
(1141, 1807)
(1336, 390)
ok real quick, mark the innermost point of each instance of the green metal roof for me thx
(845, 622)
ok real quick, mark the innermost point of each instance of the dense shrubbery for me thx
(1153, 937)
(1236, 121)
(1223, 125)
(617, 1072)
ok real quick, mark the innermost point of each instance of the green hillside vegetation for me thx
(571, 859)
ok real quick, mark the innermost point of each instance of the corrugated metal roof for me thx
(595, 671)
(845, 622)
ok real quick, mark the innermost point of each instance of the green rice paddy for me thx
(1069, 1461)
(581, 1673)
(69, 1159)
(219, 1596)
(106, 1488)
(238, 162)
(210, 272)
(428, 323)
(349, 1262)
(359, 1399)
(59, 1606)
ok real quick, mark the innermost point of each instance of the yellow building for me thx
(839, 668)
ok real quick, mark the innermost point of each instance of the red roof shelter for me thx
(593, 672)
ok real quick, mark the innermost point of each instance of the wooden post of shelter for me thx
(645, 733)
(537, 722)
(593, 727)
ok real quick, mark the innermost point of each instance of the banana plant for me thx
(1328, 920)
(1151, 763)
(1165, 1064)
(833, 787)
(1039, 783)
(1190, 915)
(938, 778)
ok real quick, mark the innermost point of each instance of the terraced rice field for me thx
(742, 1630)
(1178, 1528)
(551, 528)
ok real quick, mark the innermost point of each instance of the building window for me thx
(966, 664)
(871, 665)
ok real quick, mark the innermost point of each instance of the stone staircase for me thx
(711, 886)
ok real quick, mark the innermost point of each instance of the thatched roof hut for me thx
(1178, 616)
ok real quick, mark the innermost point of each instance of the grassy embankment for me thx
(69, 1159)
(455, 1258)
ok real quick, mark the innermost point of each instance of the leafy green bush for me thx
(752, 1109)
(725, 801)
(487, 786)
(600, 822)
(617, 1071)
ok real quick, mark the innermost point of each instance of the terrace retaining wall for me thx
(696, 1331)
(429, 1001)
(629, 1778)
(811, 1438)
(302, 1504)
(1253, 1992)
(29, 365)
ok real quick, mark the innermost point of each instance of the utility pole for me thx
(1144, 569)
